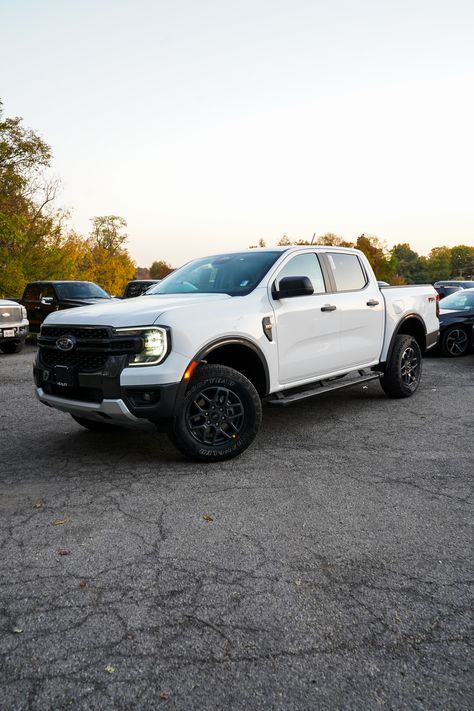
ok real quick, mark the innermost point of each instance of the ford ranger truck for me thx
(200, 351)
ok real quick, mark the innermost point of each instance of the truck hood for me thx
(139, 311)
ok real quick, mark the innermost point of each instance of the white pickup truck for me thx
(200, 351)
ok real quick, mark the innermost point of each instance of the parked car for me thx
(42, 298)
(445, 288)
(456, 320)
(13, 326)
(197, 355)
(137, 287)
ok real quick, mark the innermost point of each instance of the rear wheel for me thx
(220, 416)
(12, 347)
(403, 371)
(95, 425)
(454, 342)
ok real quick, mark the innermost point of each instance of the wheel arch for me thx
(241, 354)
(410, 325)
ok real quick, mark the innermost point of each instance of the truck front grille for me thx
(89, 362)
(91, 350)
(10, 314)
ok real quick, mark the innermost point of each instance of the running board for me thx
(323, 386)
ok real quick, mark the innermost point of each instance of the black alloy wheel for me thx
(219, 417)
(215, 416)
(403, 369)
(454, 342)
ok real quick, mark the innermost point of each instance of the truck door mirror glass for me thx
(293, 286)
(47, 300)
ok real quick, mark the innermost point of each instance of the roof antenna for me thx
(312, 241)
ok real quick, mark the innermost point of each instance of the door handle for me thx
(328, 307)
(373, 302)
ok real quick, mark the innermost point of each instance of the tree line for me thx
(400, 264)
(36, 241)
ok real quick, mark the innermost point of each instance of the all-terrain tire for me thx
(454, 342)
(403, 370)
(12, 347)
(220, 415)
(95, 425)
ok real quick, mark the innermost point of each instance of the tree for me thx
(329, 239)
(284, 242)
(160, 269)
(409, 264)
(108, 232)
(376, 252)
(462, 260)
(438, 264)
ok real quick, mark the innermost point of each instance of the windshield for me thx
(80, 290)
(459, 301)
(234, 274)
(462, 284)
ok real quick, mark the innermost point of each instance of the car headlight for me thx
(23, 312)
(156, 344)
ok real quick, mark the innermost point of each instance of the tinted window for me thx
(80, 290)
(347, 271)
(234, 274)
(48, 291)
(32, 292)
(304, 265)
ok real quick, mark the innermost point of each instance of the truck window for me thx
(32, 292)
(48, 291)
(347, 271)
(304, 265)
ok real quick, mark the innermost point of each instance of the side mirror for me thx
(47, 300)
(293, 286)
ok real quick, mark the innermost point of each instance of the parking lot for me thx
(329, 567)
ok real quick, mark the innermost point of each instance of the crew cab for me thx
(41, 298)
(197, 355)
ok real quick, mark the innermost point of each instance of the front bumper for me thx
(100, 396)
(20, 331)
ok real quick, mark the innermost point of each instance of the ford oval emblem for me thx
(66, 343)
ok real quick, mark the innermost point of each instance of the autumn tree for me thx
(329, 239)
(109, 233)
(160, 269)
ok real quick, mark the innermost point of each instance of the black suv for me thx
(137, 287)
(41, 298)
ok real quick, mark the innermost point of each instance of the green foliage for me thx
(462, 260)
(34, 242)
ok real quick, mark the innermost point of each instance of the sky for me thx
(209, 125)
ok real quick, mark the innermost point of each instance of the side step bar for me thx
(287, 397)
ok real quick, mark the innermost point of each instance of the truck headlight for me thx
(23, 312)
(156, 344)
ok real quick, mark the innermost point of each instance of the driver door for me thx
(307, 331)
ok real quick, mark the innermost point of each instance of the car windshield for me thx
(80, 290)
(459, 301)
(234, 274)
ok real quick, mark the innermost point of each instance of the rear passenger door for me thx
(360, 306)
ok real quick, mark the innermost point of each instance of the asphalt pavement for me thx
(329, 567)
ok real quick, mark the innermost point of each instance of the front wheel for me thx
(220, 416)
(454, 342)
(12, 347)
(403, 370)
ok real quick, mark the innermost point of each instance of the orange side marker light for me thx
(190, 369)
